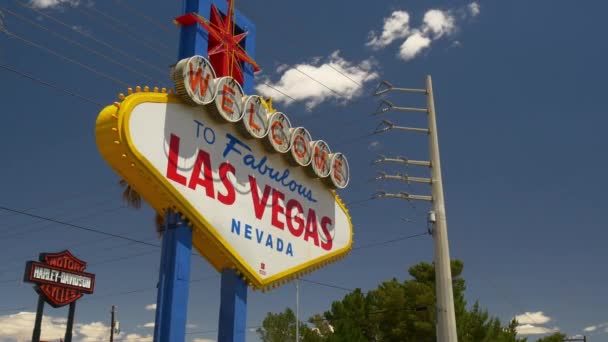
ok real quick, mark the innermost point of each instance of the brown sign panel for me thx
(59, 278)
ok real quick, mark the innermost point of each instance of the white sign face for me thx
(255, 118)
(229, 99)
(271, 216)
(320, 159)
(195, 78)
(340, 172)
(301, 149)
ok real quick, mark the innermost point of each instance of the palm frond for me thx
(131, 197)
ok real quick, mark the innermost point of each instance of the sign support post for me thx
(38, 322)
(174, 280)
(233, 307)
(70, 325)
(194, 41)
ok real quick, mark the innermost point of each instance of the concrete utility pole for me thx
(446, 318)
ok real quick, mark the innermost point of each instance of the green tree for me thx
(282, 327)
(405, 312)
(556, 337)
(351, 319)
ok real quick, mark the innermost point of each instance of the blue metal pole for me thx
(233, 310)
(233, 307)
(174, 280)
(193, 39)
(174, 274)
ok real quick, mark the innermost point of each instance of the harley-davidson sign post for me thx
(254, 195)
(60, 280)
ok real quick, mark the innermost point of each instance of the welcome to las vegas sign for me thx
(258, 193)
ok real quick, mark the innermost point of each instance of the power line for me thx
(125, 32)
(279, 91)
(343, 74)
(37, 229)
(167, 28)
(62, 199)
(140, 290)
(326, 285)
(355, 139)
(73, 61)
(84, 47)
(319, 82)
(49, 85)
(75, 226)
(387, 242)
(88, 35)
(93, 51)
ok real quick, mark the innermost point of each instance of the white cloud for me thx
(18, 328)
(93, 332)
(316, 82)
(435, 24)
(596, 327)
(151, 307)
(533, 318)
(474, 8)
(529, 329)
(149, 325)
(438, 23)
(53, 3)
(413, 45)
(396, 26)
(134, 338)
(202, 340)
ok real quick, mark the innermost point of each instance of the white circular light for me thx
(300, 146)
(195, 80)
(340, 171)
(229, 99)
(255, 117)
(279, 134)
(320, 159)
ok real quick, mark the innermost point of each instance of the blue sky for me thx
(519, 96)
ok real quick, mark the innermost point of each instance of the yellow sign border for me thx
(114, 144)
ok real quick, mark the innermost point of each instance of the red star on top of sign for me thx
(225, 51)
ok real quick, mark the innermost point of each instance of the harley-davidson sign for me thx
(59, 278)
